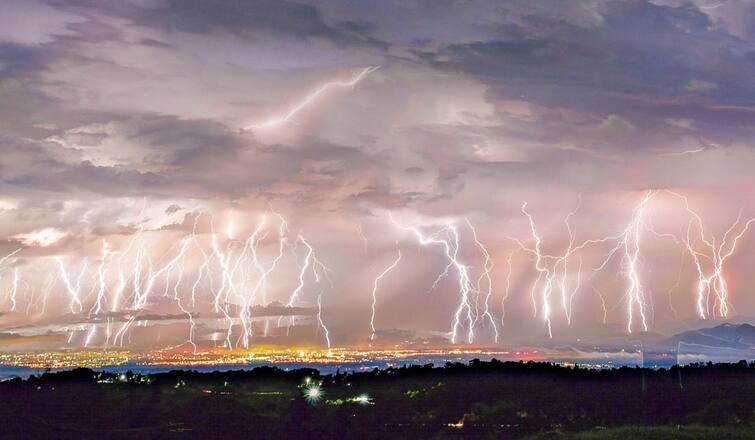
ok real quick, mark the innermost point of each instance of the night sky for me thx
(142, 144)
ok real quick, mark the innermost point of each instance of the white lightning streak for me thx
(101, 275)
(717, 255)
(374, 290)
(14, 290)
(302, 272)
(2, 260)
(311, 98)
(629, 242)
(73, 289)
(508, 287)
(552, 270)
(317, 267)
(90, 334)
(321, 323)
(602, 303)
(487, 268)
(466, 288)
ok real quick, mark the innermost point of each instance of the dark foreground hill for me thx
(475, 400)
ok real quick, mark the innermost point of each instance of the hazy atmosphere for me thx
(339, 173)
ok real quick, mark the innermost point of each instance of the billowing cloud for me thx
(42, 237)
(122, 145)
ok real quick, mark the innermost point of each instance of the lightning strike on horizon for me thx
(247, 300)
(90, 335)
(101, 276)
(142, 290)
(226, 281)
(487, 268)
(602, 303)
(244, 271)
(14, 290)
(122, 280)
(318, 270)
(552, 270)
(321, 323)
(282, 241)
(714, 280)
(510, 270)
(302, 274)
(451, 246)
(29, 296)
(203, 268)
(14, 285)
(629, 242)
(46, 292)
(374, 290)
(311, 98)
(74, 290)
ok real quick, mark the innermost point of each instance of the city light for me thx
(313, 394)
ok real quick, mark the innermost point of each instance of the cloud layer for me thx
(121, 117)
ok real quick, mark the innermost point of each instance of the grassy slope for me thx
(655, 433)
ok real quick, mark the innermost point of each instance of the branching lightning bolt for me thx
(713, 280)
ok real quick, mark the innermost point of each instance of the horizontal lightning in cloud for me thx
(311, 98)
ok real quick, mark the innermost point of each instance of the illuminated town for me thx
(273, 356)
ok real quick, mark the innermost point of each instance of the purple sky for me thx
(130, 131)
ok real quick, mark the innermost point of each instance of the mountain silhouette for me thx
(733, 336)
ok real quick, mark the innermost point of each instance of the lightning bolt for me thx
(282, 240)
(302, 272)
(247, 301)
(363, 237)
(629, 244)
(5, 258)
(177, 298)
(46, 292)
(101, 277)
(311, 98)
(90, 335)
(552, 270)
(143, 289)
(485, 275)
(506, 292)
(602, 304)
(450, 245)
(74, 289)
(375, 287)
(318, 268)
(204, 268)
(322, 324)
(130, 279)
(14, 290)
(14, 284)
(713, 280)
(122, 280)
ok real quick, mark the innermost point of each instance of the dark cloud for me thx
(642, 63)
(18, 59)
(120, 118)
(246, 19)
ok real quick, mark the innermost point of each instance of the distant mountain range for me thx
(731, 336)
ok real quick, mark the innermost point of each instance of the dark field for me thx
(478, 400)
